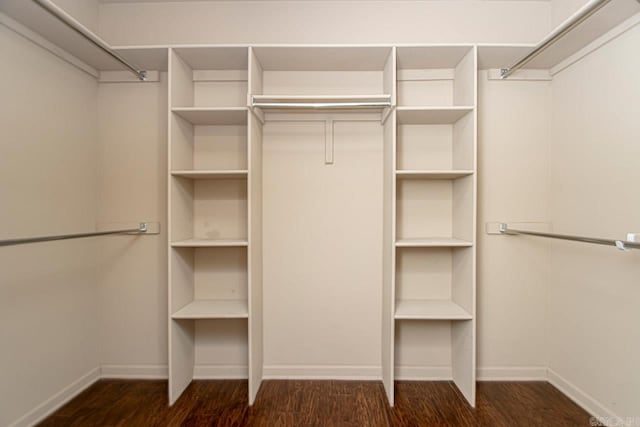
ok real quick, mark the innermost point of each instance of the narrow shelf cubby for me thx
(209, 212)
(212, 283)
(432, 283)
(433, 213)
(209, 77)
(436, 76)
(435, 146)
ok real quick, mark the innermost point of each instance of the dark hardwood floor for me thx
(318, 403)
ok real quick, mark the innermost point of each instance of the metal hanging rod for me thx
(142, 228)
(322, 105)
(68, 20)
(620, 244)
(583, 14)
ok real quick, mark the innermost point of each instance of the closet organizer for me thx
(285, 162)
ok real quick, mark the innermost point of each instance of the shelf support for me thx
(328, 141)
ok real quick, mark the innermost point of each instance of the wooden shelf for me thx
(432, 242)
(432, 174)
(431, 115)
(210, 243)
(212, 116)
(211, 174)
(430, 310)
(213, 309)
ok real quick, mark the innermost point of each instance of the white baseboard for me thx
(52, 404)
(220, 372)
(137, 372)
(423, 373)
(509, 373)
(321, 372)
(584, 400)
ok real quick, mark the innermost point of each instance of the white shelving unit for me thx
(214, 220)
(225, 100)
(431, 186)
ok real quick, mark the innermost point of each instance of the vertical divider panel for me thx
(255, 81)
(254, 181)
(255, 257)
(181, 262)
(389, 221)
(463, 333)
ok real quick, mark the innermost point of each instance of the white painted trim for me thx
(583, 399)
(511, 373)
(143, 372)
(220, 372)
(52, 404)
(426, 74)
(322, 372)
(423, 373)
(220, 75)
(596, 44)
(35, 38)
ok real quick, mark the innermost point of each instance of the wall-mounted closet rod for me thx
(142, 228)
(620, 244)
(68, 20)
(321, 105)
(583, 14)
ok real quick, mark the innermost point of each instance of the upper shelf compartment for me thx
(345, 78)
(43, 28)
(209, 77)
(436, 76)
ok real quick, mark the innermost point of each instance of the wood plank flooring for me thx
(318, 403)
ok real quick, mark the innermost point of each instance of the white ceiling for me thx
(183, 1)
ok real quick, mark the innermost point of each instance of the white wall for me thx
(358, 21)
(133, 280)
(48, 291)
(594, 299)
(513, 186)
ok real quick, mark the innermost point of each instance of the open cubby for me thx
(220, 146)
(209, 77)
(433, 283)
(435, 212)
(215, 281)
(209, 212)
(441, 146)
(436, 76)
(443, 359)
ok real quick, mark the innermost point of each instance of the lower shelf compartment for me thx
(430, 310)
(213, 309)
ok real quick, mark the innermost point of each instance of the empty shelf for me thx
(433, 242)
(213, 309)
(213, 116)
(209, 243)
(432, 174)
(431, 115)
(211, 174)
(430, 310)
